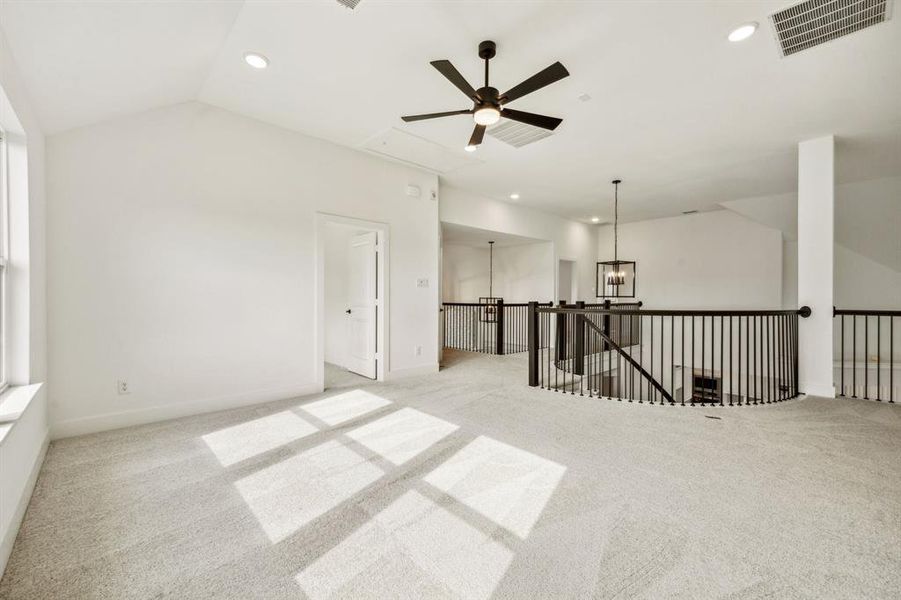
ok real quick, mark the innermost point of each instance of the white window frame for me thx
(4, 260)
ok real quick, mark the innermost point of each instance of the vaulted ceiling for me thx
(685, 118)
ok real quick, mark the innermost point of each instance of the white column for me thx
(816, 243)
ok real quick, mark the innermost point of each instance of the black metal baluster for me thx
(631, 366)
(866, 357)
(722, 368)
(662, 348)
(878, 358)
(672, 359)
(691, 375)
(703, 358)
(754, 359)
(842, 364)
(854, 356)
(619, 364)
(739, 360)
(770, 353)
(641, 360)
(682, 370)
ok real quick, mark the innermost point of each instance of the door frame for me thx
(382, 308)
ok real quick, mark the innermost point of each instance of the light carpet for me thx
(469, 484)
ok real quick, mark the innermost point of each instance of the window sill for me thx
(14, 401)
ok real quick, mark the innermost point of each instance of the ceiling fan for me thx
(489, 105)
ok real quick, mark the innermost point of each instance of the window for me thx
(4, 256)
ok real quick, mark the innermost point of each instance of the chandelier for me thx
(615, 278)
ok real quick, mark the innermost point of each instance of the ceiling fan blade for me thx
(453, 75)
(553, 73)
(450, 113)
(532, 119)
(477, 134)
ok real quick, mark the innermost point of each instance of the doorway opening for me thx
(352, 300)
(566, 281)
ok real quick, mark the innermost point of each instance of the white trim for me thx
(413, 372)
(154, 414)
(6, 544)
(14, 402)
(382, 322)
(822, 390)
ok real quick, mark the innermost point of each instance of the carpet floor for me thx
(469, 484)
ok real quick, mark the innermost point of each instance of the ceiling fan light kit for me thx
(488, 104)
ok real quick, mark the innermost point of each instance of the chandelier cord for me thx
(490, 269)
(615, 222)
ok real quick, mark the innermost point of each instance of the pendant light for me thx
(615, 278)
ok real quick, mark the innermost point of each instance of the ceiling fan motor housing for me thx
(489, 97)
(487, 49)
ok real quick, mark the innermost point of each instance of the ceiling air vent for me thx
(815, 22)
(351, 4)
(517, 134)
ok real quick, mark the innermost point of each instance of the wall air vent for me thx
(351, 4)
(814, 22)
(517, 134)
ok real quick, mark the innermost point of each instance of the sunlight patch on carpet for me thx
(506, 484)
(245, 440)
(412, 545)
(344, 407)
(287, 495)
(402, 435)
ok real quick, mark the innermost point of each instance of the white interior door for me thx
(362, 288)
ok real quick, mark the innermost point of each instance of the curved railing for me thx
(728, 357)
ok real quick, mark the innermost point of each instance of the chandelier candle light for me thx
(615, 278)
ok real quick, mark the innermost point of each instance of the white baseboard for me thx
(823, 390)
(6, 544)
(395, 374)
(153, 414)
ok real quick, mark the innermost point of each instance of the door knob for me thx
(347, 311)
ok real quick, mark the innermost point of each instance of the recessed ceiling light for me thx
(257, 61)
(743, 32)
(514, 196)
(595, 219)
(470, 148)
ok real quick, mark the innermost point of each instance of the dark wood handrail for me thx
(866, 312)
(677, 313)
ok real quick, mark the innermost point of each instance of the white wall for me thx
(790, 274)
(182, 254)
(337, 246)
(521, 273)
(22, 444)
(707, 260)
(464, 273)
(570, 240)
(868, 219)
(526, 272)
(565, 281)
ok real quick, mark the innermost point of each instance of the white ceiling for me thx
(685, 118)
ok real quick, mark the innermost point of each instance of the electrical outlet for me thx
(422, 282)
(122, 387)
(418, 350)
